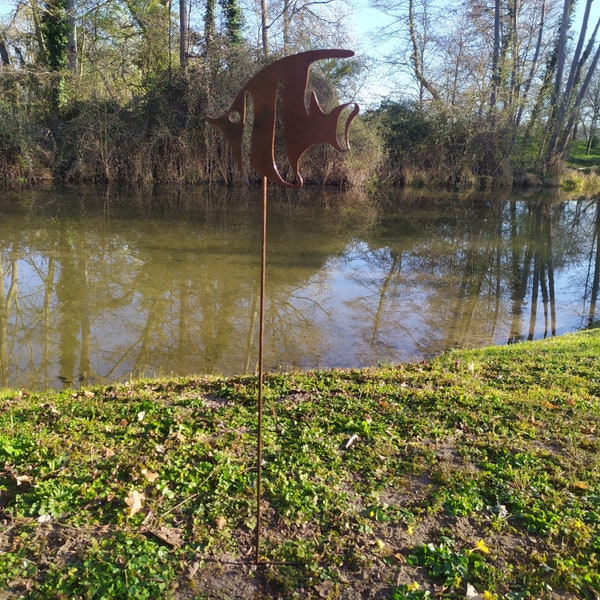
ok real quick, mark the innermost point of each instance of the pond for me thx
(99, 285)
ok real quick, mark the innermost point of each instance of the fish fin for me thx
(330, 120)
(348, 122)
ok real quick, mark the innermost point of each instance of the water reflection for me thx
(98, 286)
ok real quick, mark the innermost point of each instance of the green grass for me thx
(579, 158)
(476, 472)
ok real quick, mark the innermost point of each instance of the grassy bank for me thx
(476, 474)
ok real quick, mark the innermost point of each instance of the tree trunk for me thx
(264, 25)
(183, 35)
(417, 58)
(38, 30)
(596, 278)
(514, 49)
(495, 56)
(287, 24)
(209, 26)
(561, 49)
(4, 53)
(71, 37)
(593, 122)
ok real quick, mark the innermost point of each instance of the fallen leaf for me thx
(220, 522)
(88, 394)
(21, 479)
(549, 405)
(193, 569)
(150, 475)
(472, 593)
(168, 535)
(135, 501)
(324, 589)
(581, 485)
(44, 519)
(108, 452)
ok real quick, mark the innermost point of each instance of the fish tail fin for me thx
(330, 134)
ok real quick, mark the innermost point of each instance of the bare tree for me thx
(286, 26)
(567, 95)
(418, 48)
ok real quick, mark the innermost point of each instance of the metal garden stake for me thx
(279, 92)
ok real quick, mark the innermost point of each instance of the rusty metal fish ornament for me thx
(302, 125)
(279, 88)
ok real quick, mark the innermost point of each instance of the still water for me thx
(102, 285)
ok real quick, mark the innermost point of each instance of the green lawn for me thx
(476, 474)
(578, 157)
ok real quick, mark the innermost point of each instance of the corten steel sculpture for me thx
(279, 88)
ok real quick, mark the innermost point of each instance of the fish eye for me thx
(234, 116)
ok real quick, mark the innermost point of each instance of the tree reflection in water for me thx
(93, 290)
(594, 262)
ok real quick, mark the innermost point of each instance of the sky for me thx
(365, 22)
(6, 6)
